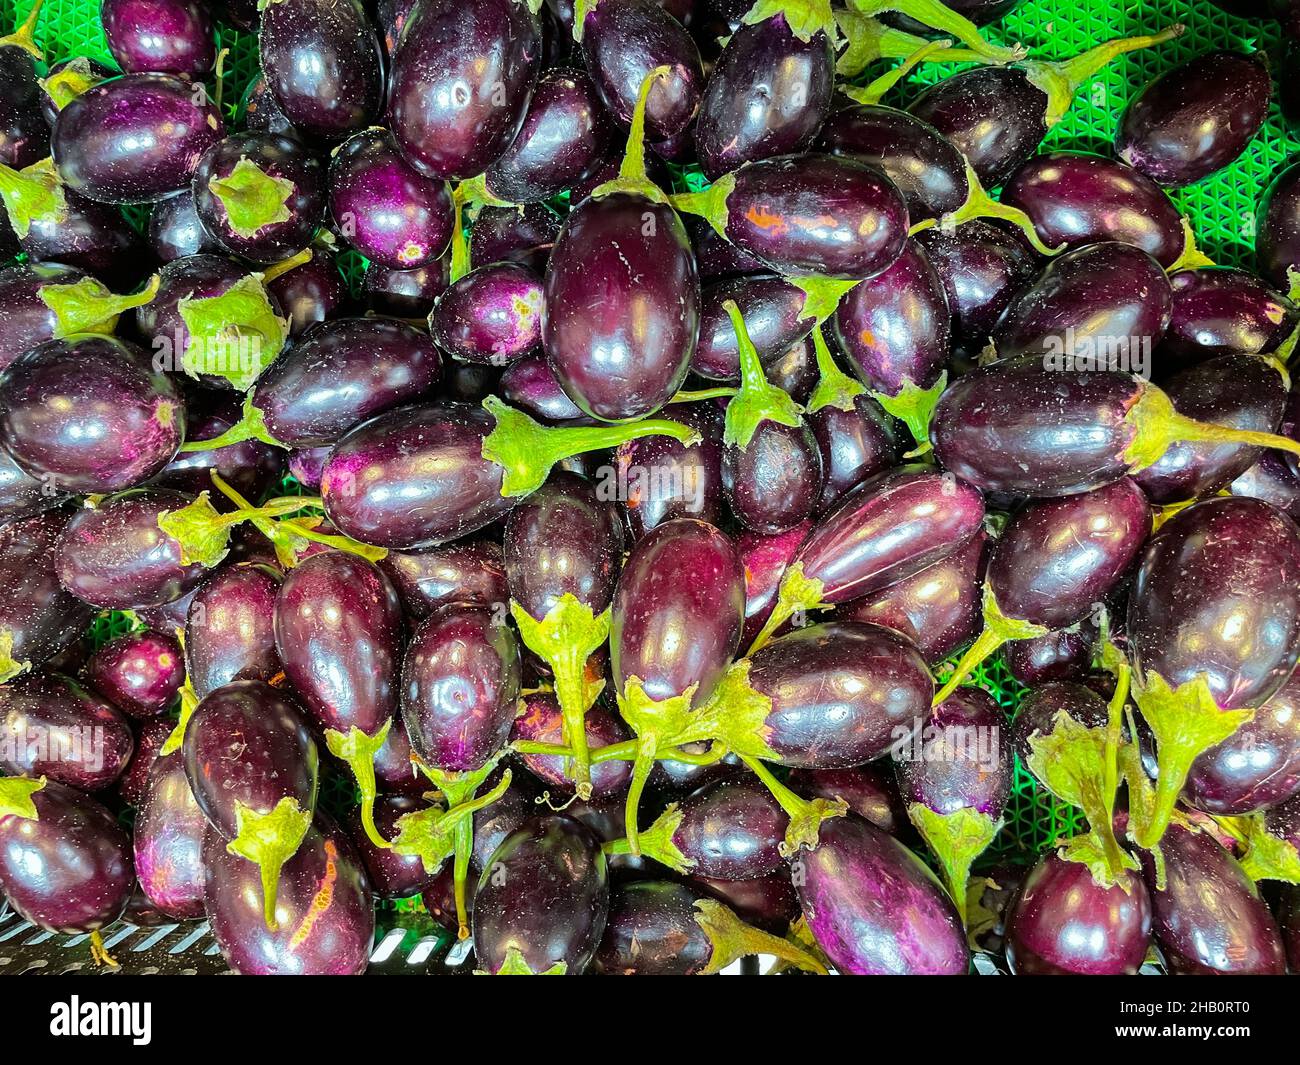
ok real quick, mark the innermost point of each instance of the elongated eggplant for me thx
(168, 841)
(774, 481)
(870, 792)
(160, 36)
(1277, 233)
(855, 444)
(229, 632)
(1222, 311)
(140, 673)
(492, 315)
(24, 136)
(469, 571)
(731, 829)
(660, 479)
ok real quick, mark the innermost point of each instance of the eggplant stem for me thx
(985, 644)
(98, 952)
(460, 873)
(647, 747)
(874, 91)
(701, 394)
(24, 37)
(834, 388)
(570, 691)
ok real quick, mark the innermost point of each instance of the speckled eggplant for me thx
(539, 721)
(38, 617)
(665, 479)
(168, 842)
(491, 315)
(140, 672)
(229, 631)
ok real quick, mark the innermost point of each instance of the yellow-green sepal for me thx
(914, 407)
(268, 840)
(252, 198)
(16, 797)
(33, 195)
(732, 940)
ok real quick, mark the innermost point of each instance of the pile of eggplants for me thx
(620, 569)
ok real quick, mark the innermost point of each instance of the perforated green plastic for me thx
(1222, 208)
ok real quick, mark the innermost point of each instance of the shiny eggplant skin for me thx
(1195, 119)
(54, 727)
(159, 36)
(874, 907)
(888, 528)
(91, 236)
(768, 94)
(1063, 922)
(149, 739)
(652, 931)
(531, 386)
(460, 83)
(1217, 593)
(391, 875)
(667, 480)
(1065, 654)
(70, 870)
(1277, 234)
(460, 679)
(175, 230)
(168, 841)
(26, 319)
(523, 235)
(376, 487)
(1274, 481)
(229, 630)
(731, 829)
(468, 571)
(818, 214)
(325, 916)
(953, 773)
(764, 560)
(678, 611)
(247, 744)
(539, 721)
(251, 467)
(897, 328)
(1210, 919)
(773, 312)
(116, 557)
(768, 903)
(90, 414)
(23, 496)
(622, 297)
(340, 375)
(1221, 311)
(1037, 712)
(870, 791)
(311, 293)
(492, 315)
(775, 481)
(408, 294)
(544, 893)
(140, 673)
(843, 693)
(937, 608)
(323, 65)
(854, 444)
(338, 632)
(24, 136)
(134, 139)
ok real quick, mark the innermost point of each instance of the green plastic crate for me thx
(1222, 209)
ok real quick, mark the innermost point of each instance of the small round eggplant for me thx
(1065, 654)
(175, 230)
(168, 842)
(468, 571)
(1222, 311)
(652, 931)
(731, 829)
(664, 479)
(229, 631)
(523, 235)
(311, 293)
(160, 36)
(24, 136)
(775, 481)
(140, 672)
(408, 294)
(531, 386)
(491, 315)
(855, 444)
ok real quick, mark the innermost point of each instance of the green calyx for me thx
(268, 840)
(936, 16)
(873, 92)
(24, 36)
(252, 198)
(431, 834)
(251, 426)
(1192, 257)
(358, 750)
(10, 667)
(732, 940)
(956, 839)
(70, 82)
(581, 9)
(834, 388)
(632, 175)
(234, 335)
(32, 195)
(821, 295)
(806, 815)
(16, 797)
(516, 965)
(871, 40)
(189, 703)
(657, 842)
(914, 407)
(998, 629)
(710, 204)
(87, 306)
(1061, 80)
(1266, 857)
(806, 18)
(758, 400)
(797, 594)
(526, 450)
(979, 204)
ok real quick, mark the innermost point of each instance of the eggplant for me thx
(869, 791)
(22, 496)
(1037, 712)
(1064, 654)
(310, 293)
(542, 900)
(408, 294)
(540, 720)
(764, 560)
(391, 875)
(90, 414)
(855, 444)
(140, 673)
(55, 728)
(652, 931)
(1277, 232)
(160, 36)
(775, 481)
(491, 315)
(1195, 119)
(168, 842)
(323, 65)
(772, 309)
(730, 829)
(1222, 311)
(460, 83)
(659, 478)
(517, 234)
(134, 139)
(468, 571)
(229, 630)
(175, 230)
(24, 136)
(1274, 481)
(152, 734)
(529, 385)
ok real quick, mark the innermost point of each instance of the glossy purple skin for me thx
(1062, 922)
(898, 328)
(768, 94)
(149, 740)
(888, 528)
(246, 743)
(281, 158)
(529, 384)
(376, 487)
(1221, 311)
(622, 307)
(251, 467)
(69, 870)
(1057, 558)
(491, 315)
(310, 293)
(926, 167)
(937, 608)
(776, 481)
(995, 116)
(460, 83)
(338, 632)
(1216, 593)
(731, 829)
(8, 238)
(519, 235)
(1257, 766)
(168, 842)
(37, 616)
(768, 903)
(1210, 919)
(1195, 119)
(870, 791)
(323, 64)
(1274, 481)
(565, 133)
(54, 727)
(391, 875)
(90, 414)
(771, 308)
(1075, 199)
(175, 230)
(395, 773)
(1038, 710)
(1277, 237)
(955, 774)
(717, 257)
(652, 931)
(25, 319)
(678, 611)
(468, 571)
(24, 136)
(22, 496)
(854, 444)
(622, 43)
(159, 36)
(817, 214)
(93, 237)
(389, 211)
(544, 892)
(408, 294)
(665, 479)
(1062, 655)
(874, 907)
(494, 823)
(134, 139)
(764, 559)
(167, 617)
(140, 673)
(261, 113)
(1240, 391)
(324, 909)
(307, 464)
(539, 720)
(842, 693)
(229, 633)
(341, 374)
(460, 680)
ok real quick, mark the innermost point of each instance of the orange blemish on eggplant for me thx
(324, 896)
(868, 338)
(411, 253)
(766, 221)
(821, 221)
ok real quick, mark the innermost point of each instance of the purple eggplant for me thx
(388, 210)
(140, 673)
(1222, 311)
(252, 467)
(731, 829)
(310, 293)
(1195, 119)
(773, 312)
(652, 931)
(491, 315)
(460, 83)
(1274, 481)
(768, 903)
(523, 235)
(468, 571)
(160, 36)
(717, 257)
(775, 481)
(149, 740)
(23, 496)
(134, 139)
(1037, 712)
(323, 64)
(855, 444)
(175, 230)
(540, 721)
(229, 632)
(1277, 234)
(24, 136)
(869, 791)
(324, 915)
(531, 386)
(391, 875)
(307, 464)
(542, 900)
(764, 560)
(54, 727)
(1064, 654)
(168, 842)
(660, 479)
(408, 294)
(260, 111)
